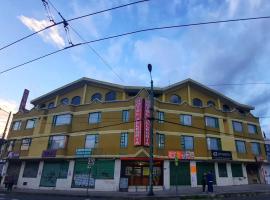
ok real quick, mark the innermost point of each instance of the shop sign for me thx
(147, 123)
(13, 155)
(49, 153)
(138, 122)
(181, 155)
(221, 155)
(83, 152)
(24, 100)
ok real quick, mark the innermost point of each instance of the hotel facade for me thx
(95, 134)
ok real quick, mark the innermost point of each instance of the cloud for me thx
(7, 105)
(51, 35)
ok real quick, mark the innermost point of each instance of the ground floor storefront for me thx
(112, 174)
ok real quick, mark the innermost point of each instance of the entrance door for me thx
(252, 174)
(204, 167)
(180, 175)
(14, 170)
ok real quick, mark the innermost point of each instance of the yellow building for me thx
(196, 130)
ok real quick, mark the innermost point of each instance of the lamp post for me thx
(151, 160)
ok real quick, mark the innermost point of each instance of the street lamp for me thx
(151, 160)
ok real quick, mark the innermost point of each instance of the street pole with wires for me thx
(151, 159)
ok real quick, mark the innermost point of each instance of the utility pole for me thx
(5, 130)
(151, 159)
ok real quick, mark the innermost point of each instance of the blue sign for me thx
(83, 153)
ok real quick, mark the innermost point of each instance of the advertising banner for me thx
(147, 123)
(138, 122)
(181, 155)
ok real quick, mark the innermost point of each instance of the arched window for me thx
(110, 96)
(96, 96)
(197, 102)
(64, 101)
(226, 108)
(50, 105)
(76, 100)
(211, 103)
(175, 99)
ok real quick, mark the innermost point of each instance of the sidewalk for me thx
(185, 192)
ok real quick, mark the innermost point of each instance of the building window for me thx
(43, 105)
(59, 120)
(51, 105)
(240, 146)
(26, 142)
(124, 140)
(30, 123)
(125, 115)
(197, 102)
(187, 142)
(110, 96)
(64, 101)
(160, 117)
(252, 129)
(16, 125)
(160, 141)
(96, 96)
(186, 120)
(237, 170)
(91, 141)
(94, 117)
(255, 148)
(226, 108)
(30, 169)
(10, 145)
(211, 122)
(57, 142)
(213, 143)
(237, 126)
(76, 100)
(211, 103)
(222, 170)
(175, 99)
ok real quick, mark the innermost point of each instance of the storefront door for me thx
(14, 170)
(204, 167)
(253, 173)
(137, 172)
(180, 175)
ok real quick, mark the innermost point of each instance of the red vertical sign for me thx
(147, 123)
(138, 122)
(24, 100)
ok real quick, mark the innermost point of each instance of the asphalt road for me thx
(22, 196)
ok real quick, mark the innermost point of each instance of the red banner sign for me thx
(147, 123)
(181, 155)
(24, 100)
(138, 122)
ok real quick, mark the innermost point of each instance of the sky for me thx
(235, 52)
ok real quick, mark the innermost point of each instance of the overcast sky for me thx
(225, 53)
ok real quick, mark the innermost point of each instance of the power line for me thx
(136, 32)
(91, 48)
(72, 19)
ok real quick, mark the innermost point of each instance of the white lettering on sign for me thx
(138, 122)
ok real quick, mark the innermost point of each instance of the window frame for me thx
(34, 124)
(96, 135)
(50, 142)
(125, 115)
(177, 97)
(110, 96)
(55, 117)
(160, 115)
(64, 101)
(259, 148)
(75, 99)
(234, 126)
(94, 98)
(182, 119)
(183, 142)
(26, 145)
(219, 145)
(31, 170)
(98, 117)
(209, 125)
(51, 105)
(124, 140)
(197, 101)
(237, 148)
(252, 125)
(221, 173)
(160, 140)
(18, 127)
(211, 103)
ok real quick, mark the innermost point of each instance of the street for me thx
(22, 196)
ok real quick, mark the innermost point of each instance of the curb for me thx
(143, 196)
